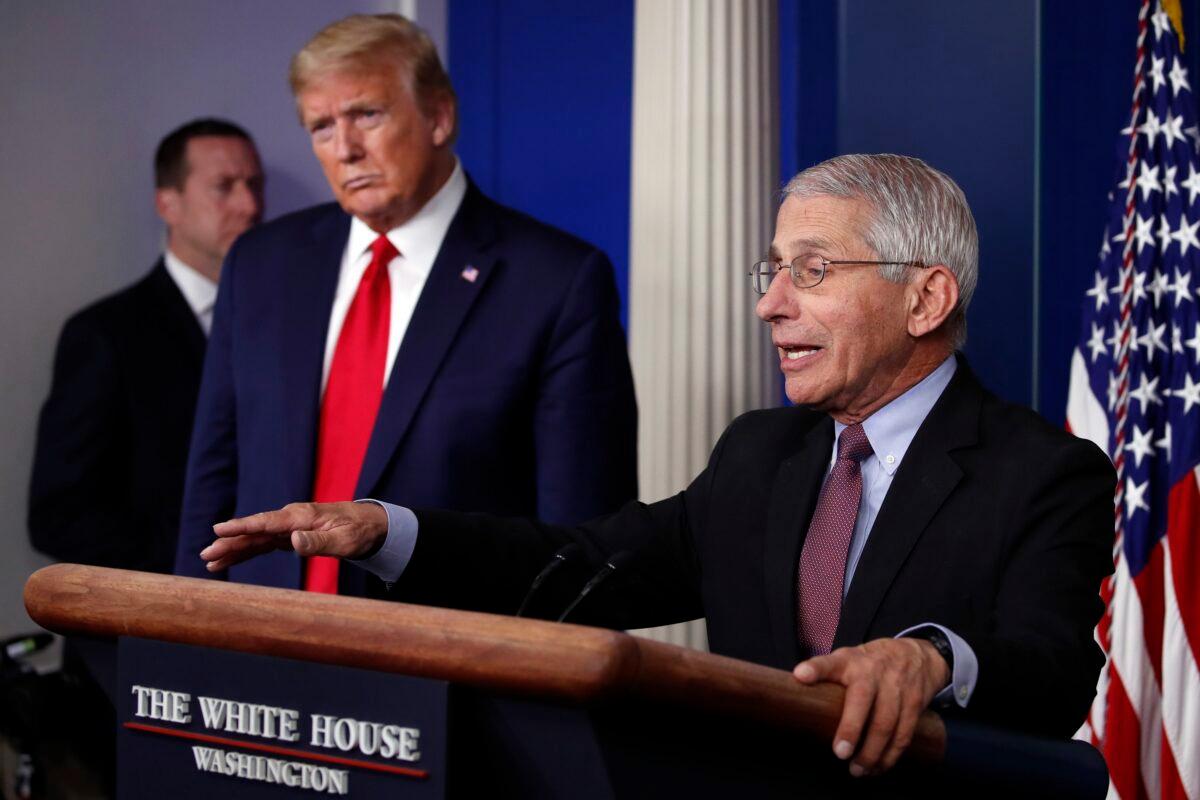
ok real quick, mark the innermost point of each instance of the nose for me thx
(347, 145)
(780, 300)
(247, 200)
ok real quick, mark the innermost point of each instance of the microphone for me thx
(565, 553)
(615, 563)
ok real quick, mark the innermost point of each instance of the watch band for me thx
(940, 643)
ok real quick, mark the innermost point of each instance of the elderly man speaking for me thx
(903, 532)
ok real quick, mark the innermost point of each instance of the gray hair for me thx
(918, 214)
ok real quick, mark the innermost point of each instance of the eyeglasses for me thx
(808, 271)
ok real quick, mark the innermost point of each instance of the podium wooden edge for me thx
(532, 658)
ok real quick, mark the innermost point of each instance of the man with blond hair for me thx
(415, 341)
(904, 532)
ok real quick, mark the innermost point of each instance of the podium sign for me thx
(195, 722)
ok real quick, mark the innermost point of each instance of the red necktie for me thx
(823, 558)
(352, 396)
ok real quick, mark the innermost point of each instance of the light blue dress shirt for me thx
(890, 430)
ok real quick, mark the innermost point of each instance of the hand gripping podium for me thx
(236, 682)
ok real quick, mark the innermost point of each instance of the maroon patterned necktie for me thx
(823, 559)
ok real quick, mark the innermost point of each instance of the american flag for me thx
(1135, 391)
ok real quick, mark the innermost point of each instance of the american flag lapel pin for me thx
(469, 273)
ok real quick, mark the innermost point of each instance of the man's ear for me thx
(932, 298)
(167, 203)
(443, 119)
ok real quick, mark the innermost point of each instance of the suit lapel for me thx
(792, 501)
(307, 289)
(919, 488)
(177, 316)
(439, 314)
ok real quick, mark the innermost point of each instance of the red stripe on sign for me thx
(279, 751)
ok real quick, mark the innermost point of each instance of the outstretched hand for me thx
(342, 530)
(889, 682)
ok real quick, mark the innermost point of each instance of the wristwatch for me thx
(940, 643)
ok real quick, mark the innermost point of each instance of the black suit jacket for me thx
(113, 435)
(996, 525)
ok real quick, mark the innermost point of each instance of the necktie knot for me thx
(853, 444)
(382, 252)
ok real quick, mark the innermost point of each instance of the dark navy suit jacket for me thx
(113, 435)
(511, 393)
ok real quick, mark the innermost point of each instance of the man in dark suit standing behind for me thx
(113, 435)
(414, 341)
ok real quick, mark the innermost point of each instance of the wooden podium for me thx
(541, 709)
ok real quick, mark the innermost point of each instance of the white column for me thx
(705, 172)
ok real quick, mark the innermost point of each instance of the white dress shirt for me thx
(418, 241)
(199, 292)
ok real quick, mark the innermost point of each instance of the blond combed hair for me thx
(366, 42)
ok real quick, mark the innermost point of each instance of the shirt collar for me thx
(199, 292)
(420, 238)
(891, 429)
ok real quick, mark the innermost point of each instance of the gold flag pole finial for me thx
(1175, 12)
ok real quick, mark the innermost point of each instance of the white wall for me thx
(86, 92)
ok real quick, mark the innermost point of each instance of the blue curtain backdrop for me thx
(546, 103)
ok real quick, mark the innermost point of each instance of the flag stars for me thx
(1172, 129)
(1147, 392)
(1096, 343)
(1151, 128)
(1161, 22)
(1114, 388)
(1158, 287)
(1176, 340)
(1144, 235)
(1135, 496)
(1139, 287)
(1181, 288)
(1099, 291)
(1148, 181)
(1170, 185)
(1154, 338)
(1140, 446)
(1164, 234)
(1194, 343)
(1189, 393)
(1192, 184)
(1156, 72)
(1186, 235)
(1193, 133)
(1115, 341)
(1164, 444)
(1179, 78)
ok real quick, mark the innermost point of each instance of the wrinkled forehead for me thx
(830, 226)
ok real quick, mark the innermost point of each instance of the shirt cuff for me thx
(966, 666)
(390, 561)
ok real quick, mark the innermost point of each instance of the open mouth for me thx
(797, 352)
